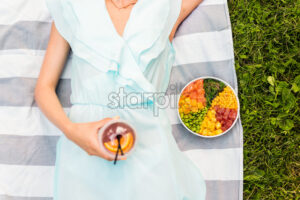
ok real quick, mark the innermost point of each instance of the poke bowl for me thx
(208, 107)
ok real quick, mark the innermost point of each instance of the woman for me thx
(116, 44)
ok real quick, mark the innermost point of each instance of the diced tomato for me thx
(226, 113)
(228, 124)
(222, 110)
(232, 114)
(225, 117)
(223, 122)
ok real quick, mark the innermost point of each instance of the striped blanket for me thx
(203, 47)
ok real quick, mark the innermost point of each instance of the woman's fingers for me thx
(105, 155)
(102, 122)
(116, 117)
(85, 135)
(123, 158)
(94, 145)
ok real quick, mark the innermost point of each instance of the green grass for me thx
(266, 41)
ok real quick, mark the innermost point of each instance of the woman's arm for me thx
(186, 8)
(83, 134)
(45, 95)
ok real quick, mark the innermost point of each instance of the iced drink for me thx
(117, 137)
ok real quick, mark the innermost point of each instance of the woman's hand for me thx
(85, 135)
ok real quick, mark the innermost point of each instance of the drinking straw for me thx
(119, 148)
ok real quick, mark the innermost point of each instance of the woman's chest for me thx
(119, 17)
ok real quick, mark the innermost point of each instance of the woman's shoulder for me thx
(58, 13)
(73, 18)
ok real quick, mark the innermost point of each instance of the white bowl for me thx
(238, 109)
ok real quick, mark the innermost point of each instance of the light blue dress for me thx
(138, 62)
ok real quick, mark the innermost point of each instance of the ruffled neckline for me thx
(131, 16)
(144, 38)
(140, 33)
